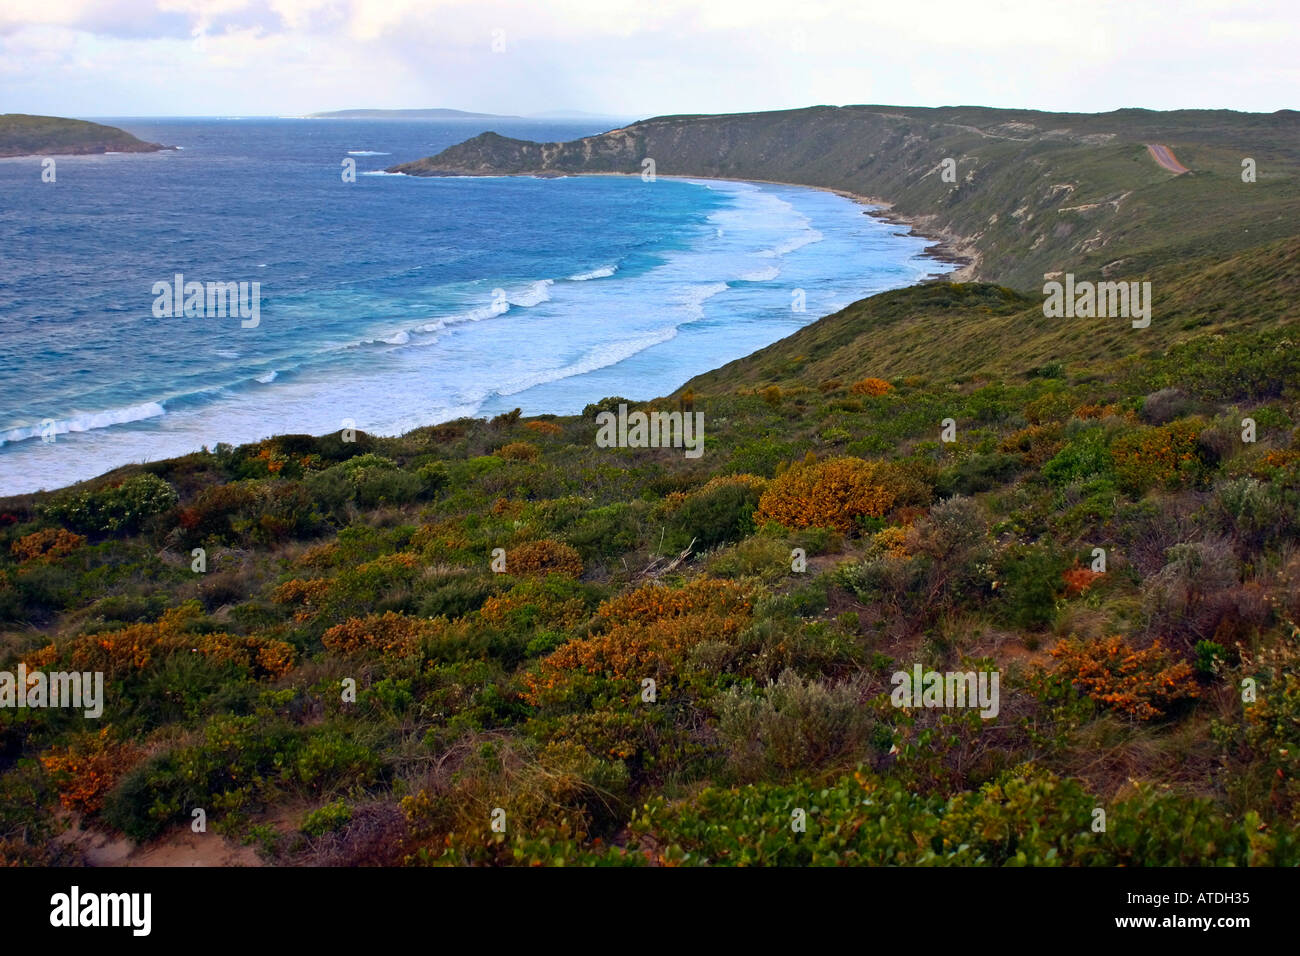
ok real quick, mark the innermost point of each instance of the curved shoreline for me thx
(948, 247)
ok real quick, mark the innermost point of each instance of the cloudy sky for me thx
(640, 57)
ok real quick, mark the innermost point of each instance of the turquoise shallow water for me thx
(391, 301)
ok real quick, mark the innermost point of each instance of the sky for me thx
(636, 58)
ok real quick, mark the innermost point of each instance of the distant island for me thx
(406, 114)
(1014, 193)
(447, 114)
(25, 135)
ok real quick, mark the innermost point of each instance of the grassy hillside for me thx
(23, 135)
(990, 332)
(1035, 192)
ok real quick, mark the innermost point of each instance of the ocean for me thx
(389, 302)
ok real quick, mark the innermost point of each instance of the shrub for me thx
(1021, 820)
(123, 507)
(326, 819)
(534, 604)
(518, 451)
(308, 595)
(331, 760)
(1035, 444)
(719, 511)
(1050, 407)
(390, 634)
(977, 473)
(141, 647)
(1078, 580)
(87, 769)
(1031, 580)
(1166, 405)
(644, 633)
(237, 764)
(241, 512)
(1137, 683)
(872, 386)
(1188, 593)
(1157, 457)
(794, 725)
(48, 544)
(544, 557)
(830, 494)
(549, 429)
(1084, 456)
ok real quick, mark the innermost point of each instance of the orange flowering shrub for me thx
(309, 595)
(672, 501)
(644, 633)
(544, 557)
(1078, 580)
(319, 556)
(443, 537)
(273, 459)
(136, 648)
(829, 494)
(518, 451)
(504, 506)
(1095, 411)
(49, 544)
(891, 542)
(743, 480)
(1034, 443)
(654, 602)
(87, 769)
(541, 609)
(1157, 456)
(392, 634)
(872, 386)
(1141, 684)
(627, 652)
(544, 428)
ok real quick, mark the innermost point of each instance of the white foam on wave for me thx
(603, 272)
(537, 293)
(366, 152)
(601, 356)
(693, 298)
(266, 378)
(766, 274)
(84, 422)
(380, 172)
(534, 294)
(806, 237)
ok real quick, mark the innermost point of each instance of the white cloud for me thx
(122, 57)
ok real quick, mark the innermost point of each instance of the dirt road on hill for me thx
(1165, 157)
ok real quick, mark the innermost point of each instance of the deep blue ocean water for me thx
(392, 301)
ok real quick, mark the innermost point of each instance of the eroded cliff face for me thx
(1016, 192)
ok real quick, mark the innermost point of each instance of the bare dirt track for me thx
(1165, 157)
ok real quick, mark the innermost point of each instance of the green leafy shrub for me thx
(123, 507)
(326, 819)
